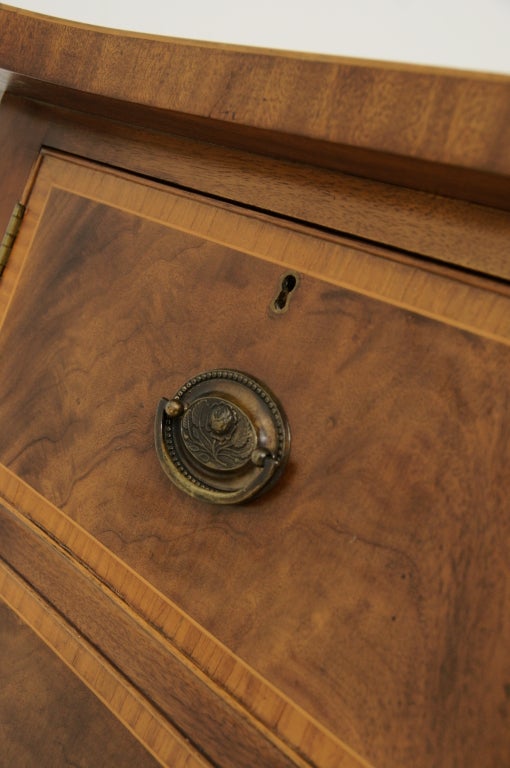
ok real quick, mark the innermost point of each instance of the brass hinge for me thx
(10, 235)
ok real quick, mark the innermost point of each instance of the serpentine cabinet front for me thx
(354, 613)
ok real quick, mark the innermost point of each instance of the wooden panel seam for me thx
(151, 729)
(223, 731)
(451, 230)
(432, 226)
(223, 672)
(468, 303)
(22, 129)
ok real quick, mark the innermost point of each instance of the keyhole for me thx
(288, 285)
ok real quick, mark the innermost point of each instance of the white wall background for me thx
(465, 34)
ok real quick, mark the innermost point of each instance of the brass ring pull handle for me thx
(222, 438)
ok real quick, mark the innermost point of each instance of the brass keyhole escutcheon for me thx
(223, 437)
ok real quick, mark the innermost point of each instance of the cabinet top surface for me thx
(441, 116)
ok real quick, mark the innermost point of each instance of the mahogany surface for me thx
(48, 717)
(441, 130)
(358, 614)
(431, 226)
(360, 586)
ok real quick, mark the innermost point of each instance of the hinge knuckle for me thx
(11, 233)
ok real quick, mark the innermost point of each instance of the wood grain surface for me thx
(21, 137)
(166, 684)
(211, 661)
(48, 718)
(430, 226)
(444, 131)
(369, 586)
(453, 296)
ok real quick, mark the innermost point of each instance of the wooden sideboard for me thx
(356, 614)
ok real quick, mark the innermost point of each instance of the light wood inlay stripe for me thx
(276, 714)
(150, 728)
(462, 300)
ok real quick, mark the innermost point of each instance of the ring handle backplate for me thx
(223, 437)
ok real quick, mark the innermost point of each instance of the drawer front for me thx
(367, 592)
(49, 717)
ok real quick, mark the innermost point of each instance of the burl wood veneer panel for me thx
(48, 718)
(371, 584)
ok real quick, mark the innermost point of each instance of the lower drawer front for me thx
(370, 585)
(48, 716)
